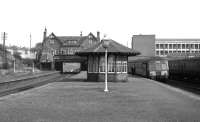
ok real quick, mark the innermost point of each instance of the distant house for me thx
(58, 50)
(23, 51)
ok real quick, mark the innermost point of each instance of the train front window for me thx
(164, 66)
(158, 66)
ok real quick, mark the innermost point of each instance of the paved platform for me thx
(139, 100)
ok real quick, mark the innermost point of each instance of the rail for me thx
(27, 81)
(29, 77)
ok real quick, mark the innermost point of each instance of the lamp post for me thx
(105, 45)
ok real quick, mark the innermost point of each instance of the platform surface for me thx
(139, 100)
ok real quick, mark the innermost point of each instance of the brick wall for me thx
(114, 77)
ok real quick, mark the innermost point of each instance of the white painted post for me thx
(106, 71)
(33, 70)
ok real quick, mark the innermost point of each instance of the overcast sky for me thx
(118, 19)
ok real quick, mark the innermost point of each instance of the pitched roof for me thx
(113, 47)
(64, 38)
(80, 39)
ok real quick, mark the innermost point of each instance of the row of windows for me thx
(179, 46)
(68, 42)
(96, 65)
(167, 52)
(69, 51)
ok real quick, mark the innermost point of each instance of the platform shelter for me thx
(117, 57)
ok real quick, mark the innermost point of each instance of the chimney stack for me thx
(45, 34)
(98, 36)
(81, 34)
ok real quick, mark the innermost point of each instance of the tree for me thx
(17, 55)
(38, 49)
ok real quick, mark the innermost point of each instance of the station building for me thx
(57, 50)
(117, 57)
(149, 45)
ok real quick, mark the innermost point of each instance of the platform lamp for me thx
(105, 46)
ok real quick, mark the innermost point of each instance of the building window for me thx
(111, 64)
(192, 46)
(157, 46)
(179, 46)
(62, 52)
(52, 52)
(118, 66)
(157, 52)
(51, 41)
(90, 42)
(124, 66)
(166, 46)
(166, 52)
(187, 46)
(174, 46)
(102, 64)
(170, 51)
(161, 46)
(90, 64)
(196, 46)
(121, 65)
(57, 52)
(170, 46)
(95, 64)
(161, 52)
(183, 46)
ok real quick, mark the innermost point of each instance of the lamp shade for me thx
(105, 43)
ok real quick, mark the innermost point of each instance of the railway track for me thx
(188, 85)
(21, 84)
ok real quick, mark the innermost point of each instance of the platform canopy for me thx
(112, 46)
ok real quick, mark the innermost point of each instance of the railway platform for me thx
(138, 100)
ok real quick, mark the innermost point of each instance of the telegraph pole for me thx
(30, 43)
(4, 36)
(33, 70)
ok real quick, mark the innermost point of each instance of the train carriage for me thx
(184, 68)
(150, 67)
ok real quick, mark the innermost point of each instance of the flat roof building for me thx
(149, 45)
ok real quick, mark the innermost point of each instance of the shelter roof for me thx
(113, 48)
